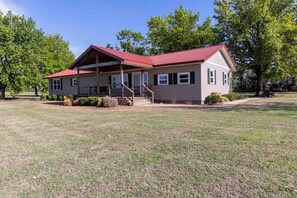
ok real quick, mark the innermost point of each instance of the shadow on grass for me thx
(55, 103)
(270, 106)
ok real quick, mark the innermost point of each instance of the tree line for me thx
(27, 55)
(261, 36)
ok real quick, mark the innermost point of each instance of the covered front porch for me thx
(114, 76)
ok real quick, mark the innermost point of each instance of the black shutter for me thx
(175, 78)
(208, 75)
(155, 79)
(215, 76)
(130, 80)
(51, 84)
(71, 82)
(170, 79)
(61, 80)
(109, 79)
(192, 77)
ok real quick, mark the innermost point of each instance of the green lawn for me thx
(244, 151)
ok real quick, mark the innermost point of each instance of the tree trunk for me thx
(36, 90)
(3, 92)
(259, 85)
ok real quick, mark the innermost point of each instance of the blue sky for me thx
(86, 22)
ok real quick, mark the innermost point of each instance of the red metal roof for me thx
(68, 72)
(187, 56)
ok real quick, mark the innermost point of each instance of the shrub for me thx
(100, 102)
(71, 97)
(93, 101)
(60, 98)
(75, 102)
(84, 101)
(54, 97)
(43, 97)
(67, 101)
(214, 98)
(49, 97)
(232, 96)
(110, 102)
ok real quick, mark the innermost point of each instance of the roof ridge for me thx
(213, 46)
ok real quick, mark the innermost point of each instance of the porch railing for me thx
(124, 87)
(146, 89)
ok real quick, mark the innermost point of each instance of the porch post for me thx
(97, 78)
(97, 75)
(78, 82)
(122, 79)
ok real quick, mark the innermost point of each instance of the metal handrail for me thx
(149, 90)
(132, 92)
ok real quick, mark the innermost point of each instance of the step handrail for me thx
(149, 90)
(132, 92)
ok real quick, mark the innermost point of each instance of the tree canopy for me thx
(260, 36)
(27, 55)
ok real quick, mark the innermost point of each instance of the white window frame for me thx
(212, 77)
(72, 82)
(225, 78)
(143, 81)
(178, 78)
(117, 85)
(57, 84)
(162, 75)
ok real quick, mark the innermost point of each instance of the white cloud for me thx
(7, 5)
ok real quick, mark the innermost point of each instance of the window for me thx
(116, 80)
(184, 78)
(145, 78)
(212, 76)
(73, 82)
(57, 84)
(163, 79)
(225, 78)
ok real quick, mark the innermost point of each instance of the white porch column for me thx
(78, 82)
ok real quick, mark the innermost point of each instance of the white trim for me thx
(159, 75)
(72, 82)
(218, 65)
(214, 76)
(57, 84)
(143, 78)
(117, 86)
(183, 73)
(225, 79)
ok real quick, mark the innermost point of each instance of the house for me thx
(181, 77)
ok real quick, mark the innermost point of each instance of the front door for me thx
(136, 83)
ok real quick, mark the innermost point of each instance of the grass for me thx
(244, 151)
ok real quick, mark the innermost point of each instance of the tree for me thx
(55, 56)
(133, 42)
(253, 31)
(18, 37)
(179, 31)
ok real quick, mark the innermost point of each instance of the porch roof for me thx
(68, 72)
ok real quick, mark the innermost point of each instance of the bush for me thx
(100, 102)
(232, 96)
(60, 98)
(71, 97)
(54, 97)
(43, 97)
(214, 98)
(93, 101)
(84, 101)
(49, 97)
(67, 101)
(110, 102)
